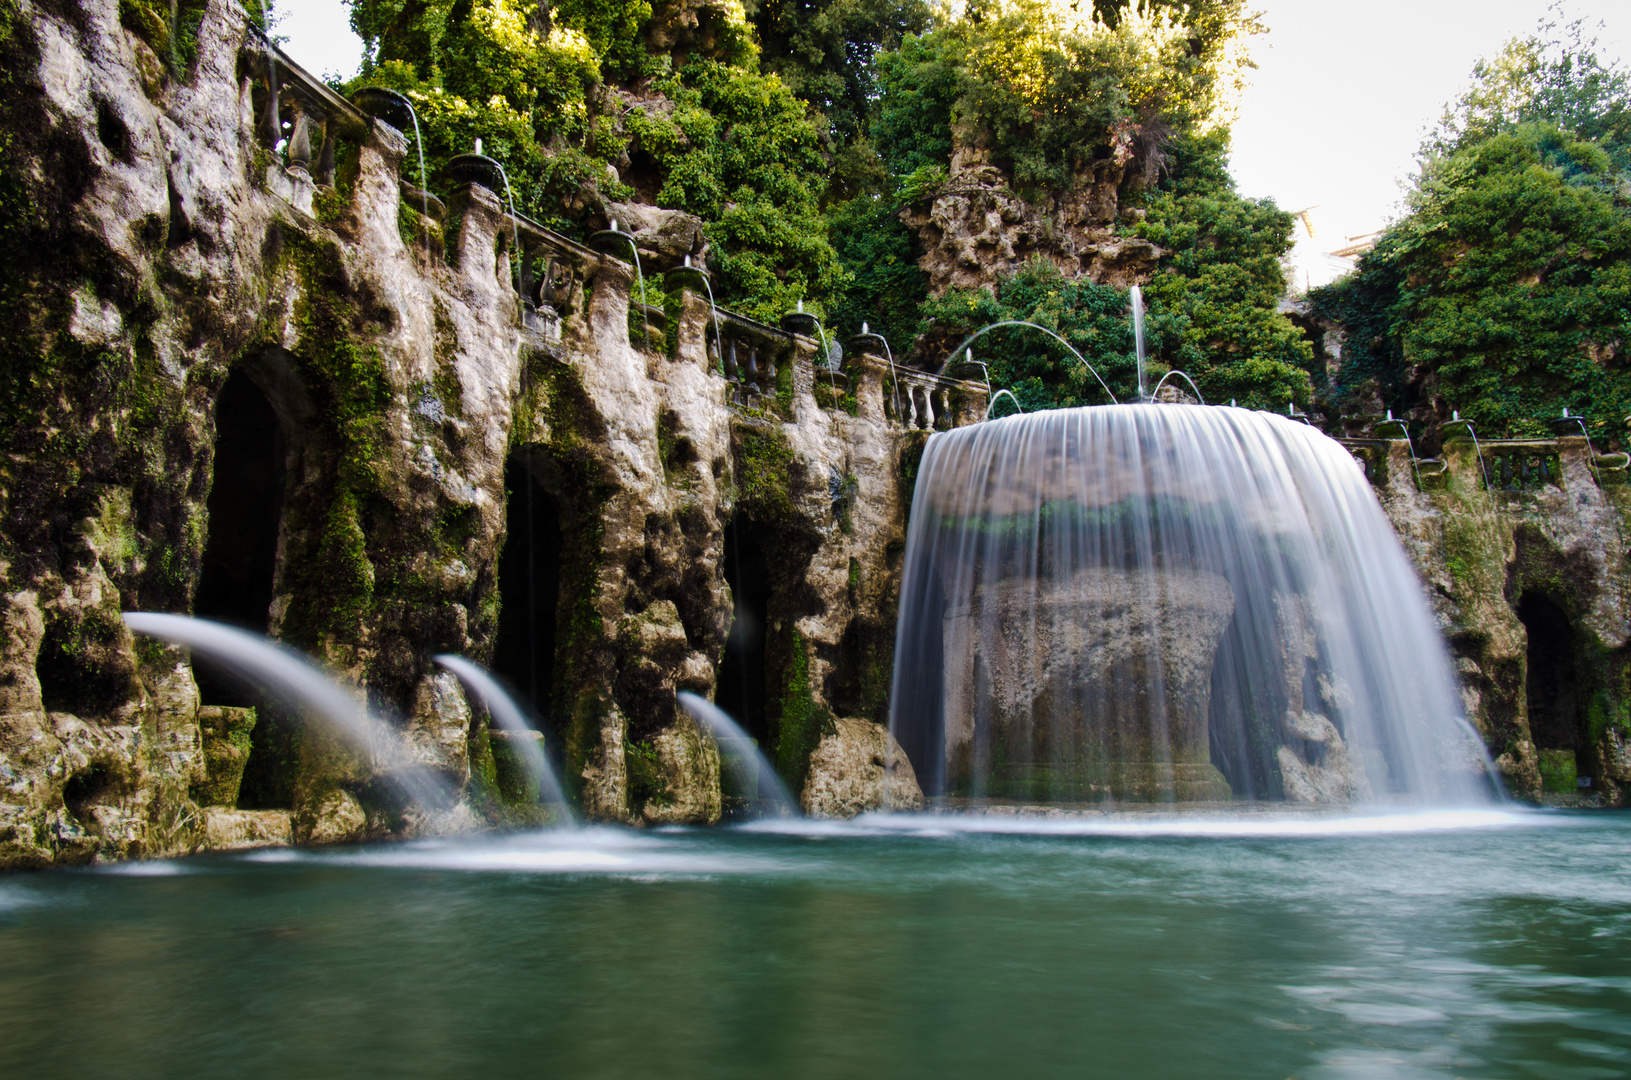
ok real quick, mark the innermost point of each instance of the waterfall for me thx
(1168, 603)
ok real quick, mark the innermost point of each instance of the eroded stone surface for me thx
(859, 767)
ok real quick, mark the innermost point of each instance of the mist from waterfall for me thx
(1165, 604)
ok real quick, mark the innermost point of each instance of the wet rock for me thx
(228, 829)
(856, 769)
(225, 733)
(334, 817)
(439, 727)
(686, 775)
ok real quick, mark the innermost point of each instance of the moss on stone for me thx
(800, 720)
(763, 477)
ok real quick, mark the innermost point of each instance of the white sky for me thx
(1344, 90)
(1337, 107)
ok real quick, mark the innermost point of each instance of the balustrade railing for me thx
(1522, 464)
(301, 123)
(298, 116)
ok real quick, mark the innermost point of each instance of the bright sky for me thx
(1344, 91)
(1342, 94)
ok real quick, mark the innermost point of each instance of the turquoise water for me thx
(1099, 947)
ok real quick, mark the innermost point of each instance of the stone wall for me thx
(171, 231)
(1523, 549)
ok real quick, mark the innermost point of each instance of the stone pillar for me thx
(477, 215)
(378, 192)
(866, 372)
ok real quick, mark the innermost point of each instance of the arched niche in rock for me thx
(261, 419)
(529, 578)
(1552, 680)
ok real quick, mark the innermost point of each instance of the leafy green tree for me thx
(1048, 99)
(724, 141)
(1510, 284)
(1553, 76)
(1220, 282)
(1505, 292)
(1211, 308)
(1039, 372)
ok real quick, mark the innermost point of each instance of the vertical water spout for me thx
(1138, 338)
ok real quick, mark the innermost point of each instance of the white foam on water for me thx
(13, 898)
(556, 851)
(153, 868)
(1047, 822)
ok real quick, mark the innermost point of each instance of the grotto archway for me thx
(742, 689)
(529, 584)
(245, 508)
(1552, 688)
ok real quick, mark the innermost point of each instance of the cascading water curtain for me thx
(1168, 603)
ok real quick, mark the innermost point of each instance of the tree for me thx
(1505, 292)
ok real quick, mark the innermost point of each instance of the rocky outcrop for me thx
(974, 228)
(857, 768)
(1501, 530)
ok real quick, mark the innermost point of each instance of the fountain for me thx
(1167, 603)
(285, 673)
(754, 780)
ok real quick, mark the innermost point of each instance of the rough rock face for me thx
(975, 228)
(171, 247)
(1016, 655)
(1508, 530)
(857, 768)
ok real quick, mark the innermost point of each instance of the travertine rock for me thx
(227, 829)
(975, 228)
(856, 769)
(335, 817)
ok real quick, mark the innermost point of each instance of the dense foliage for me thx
(798, 131)
(1505, 292)
(706, 132)
(1048, 100)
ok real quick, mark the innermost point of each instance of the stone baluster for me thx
(271, 120)
(753, 371)
(921, 407)
(300, 139)
(325, 157)
(733, 370)
(942, 410)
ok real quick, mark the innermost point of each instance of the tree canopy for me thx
(798, 130)
(1505, 291)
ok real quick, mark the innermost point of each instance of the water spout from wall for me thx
(523, 738)
(753, 777)
(288, 675)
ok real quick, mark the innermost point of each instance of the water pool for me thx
(1491, 944)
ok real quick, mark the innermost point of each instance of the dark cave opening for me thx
(245, 509)
(529, 586)
(1552, 683)
(93, 787)
(741, 689)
